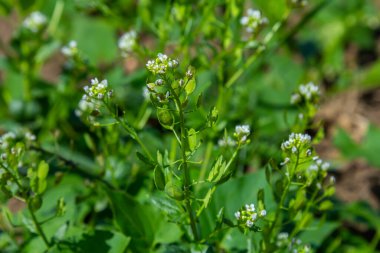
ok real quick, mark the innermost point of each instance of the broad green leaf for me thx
(135, 220)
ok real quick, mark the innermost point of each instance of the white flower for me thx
(30, 137)
(296, 141)
(226, 142)
(286, 161)
(325, 166)
(146, 93)
(161, 64)
(84, 106)
(70, 50)
(237, 215)
(253, 20)
(35, 22)
(241, 133)
(127, 42)
(306, 92)
(250, 208)
(249, 223)
(263, 213)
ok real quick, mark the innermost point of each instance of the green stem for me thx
(283, 196)
(186, 179)
(258, 51)
(130, 130)
(38, 226)
(308, 206)
(12, 175)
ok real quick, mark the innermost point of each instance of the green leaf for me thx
(199, 100)
(134, 219)
(144, 159)
(212, 116)
(190, 86)
(159, 178)
(326, 205)
(43, 170)
(160, 159)
(89, 142)
(192, 135)
(213, 176)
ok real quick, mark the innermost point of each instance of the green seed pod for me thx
(174, 191)
(165, 117)
(35, 202)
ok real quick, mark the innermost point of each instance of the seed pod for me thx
(35, 202)
(165, 117)
(174, 191)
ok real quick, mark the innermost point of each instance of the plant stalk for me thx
(186, 178)
(38, 226)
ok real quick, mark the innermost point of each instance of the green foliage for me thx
(198, 135)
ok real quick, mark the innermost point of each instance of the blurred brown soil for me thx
(352, 111)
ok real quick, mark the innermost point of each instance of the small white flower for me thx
(70, 50)
(254, 216)
(253, 21)
(159, 82)
(237, 215)
(30, 137)
(127, 42)
(250, 207)
(325, 166)
(35, 22)
(286, 161)
(226, 142)
(249, 223)
(263, 213)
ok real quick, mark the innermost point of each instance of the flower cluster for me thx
(306, 93)
(97, 90)
(248, 215)
(318, 165)
(161, 64)
(296, 143)
(94, 95)
(35, 22)
(127, 42)
(291, 245)
(7, 139)
(70, 50)
(241, 133)
(11, 150)
(254, 21)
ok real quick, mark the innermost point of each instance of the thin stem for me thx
(186, 179)
(130, 130)
(72, 164)
(38, 226)
(12, 175)
(283, 196)
(258, 51)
